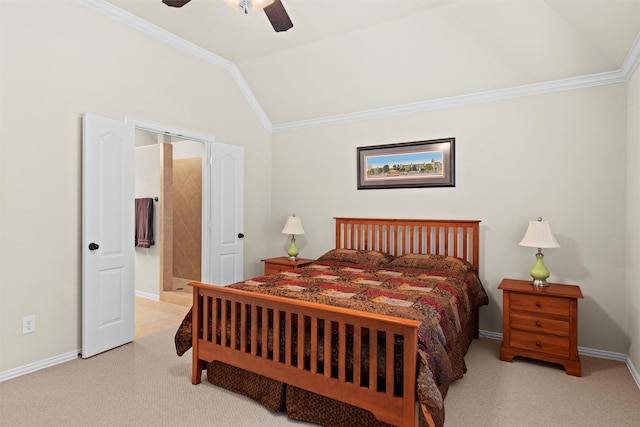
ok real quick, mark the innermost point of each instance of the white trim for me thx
(168, 130)
(147, 295)
(33, 367)
(634, 372)
(632, 60)
(603, 354)
(171, 39)
(207, 140)
(491, 335)
(619, 76)
(462, 100)
(600, 354)
(36, 366)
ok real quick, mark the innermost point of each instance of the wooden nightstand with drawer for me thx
(541, 323)
(283, 263)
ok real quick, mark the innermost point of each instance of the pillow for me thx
(445, 265)
(353, 256)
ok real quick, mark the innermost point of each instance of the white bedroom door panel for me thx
(227, 218)
(107, 234)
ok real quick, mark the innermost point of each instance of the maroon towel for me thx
(144, 223)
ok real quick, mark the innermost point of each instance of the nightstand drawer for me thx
(275, 269)
(539, 324)
(540, 304)
(555, 346)
(283, 263)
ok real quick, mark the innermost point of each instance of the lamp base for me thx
(293, 250)
(539, 283)
(539, 272)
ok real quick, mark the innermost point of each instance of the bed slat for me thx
(458, 238)
(234, 304)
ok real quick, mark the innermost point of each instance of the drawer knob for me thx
(538, 344)
(538, 304)
(538, 324)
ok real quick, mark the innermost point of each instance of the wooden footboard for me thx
(246, 343)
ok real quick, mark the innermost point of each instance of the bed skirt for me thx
(270, 393)
(299, 404)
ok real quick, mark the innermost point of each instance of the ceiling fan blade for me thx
(278, 16)
(175, 3)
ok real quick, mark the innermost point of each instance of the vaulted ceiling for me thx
(348, 57)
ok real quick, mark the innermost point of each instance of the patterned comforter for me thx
(440, 292)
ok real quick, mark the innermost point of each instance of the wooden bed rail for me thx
(247, 344)
(458, 238)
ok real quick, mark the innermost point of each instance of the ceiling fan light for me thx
(246, 6)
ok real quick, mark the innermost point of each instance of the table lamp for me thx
(539, 235)
(293, 226)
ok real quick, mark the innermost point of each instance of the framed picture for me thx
(407, 164)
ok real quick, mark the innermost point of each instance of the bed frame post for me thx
(196, 364)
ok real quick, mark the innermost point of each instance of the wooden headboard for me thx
(458, 238)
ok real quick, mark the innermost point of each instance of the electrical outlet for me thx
(28, 324)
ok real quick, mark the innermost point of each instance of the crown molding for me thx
(621, 75)
(462, 100)
(171, 39)
(632, 60)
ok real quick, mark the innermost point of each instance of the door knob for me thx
(93, 246)
(240, 235)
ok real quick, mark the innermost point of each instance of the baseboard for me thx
(148, 295)
(27, 369)
(32, 367)
(47, 363)
(633, 371)
(601, 354)
(490, 334)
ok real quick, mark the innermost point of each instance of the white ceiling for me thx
(345, 57)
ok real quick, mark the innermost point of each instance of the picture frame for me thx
(407, 165)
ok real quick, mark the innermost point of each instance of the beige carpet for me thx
(530, 393)
(145, 384)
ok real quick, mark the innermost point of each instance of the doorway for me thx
(169, 170)
(108, 183)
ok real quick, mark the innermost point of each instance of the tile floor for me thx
(156, 316)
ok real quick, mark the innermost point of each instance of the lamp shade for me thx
(246, 6)
(539, 235)
(293, 225)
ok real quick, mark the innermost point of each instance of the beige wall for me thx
(569, 157)
(52, 71)
(633, 217)
(147, 183)
(561, 156)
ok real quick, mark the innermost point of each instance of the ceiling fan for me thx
(274, 10)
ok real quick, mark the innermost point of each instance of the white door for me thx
(107, 234)
(226, 226)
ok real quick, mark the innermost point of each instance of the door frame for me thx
(207, 140)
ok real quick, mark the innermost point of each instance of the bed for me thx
(371, 333)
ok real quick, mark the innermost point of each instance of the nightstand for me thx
(283, 263)
(541, 323)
